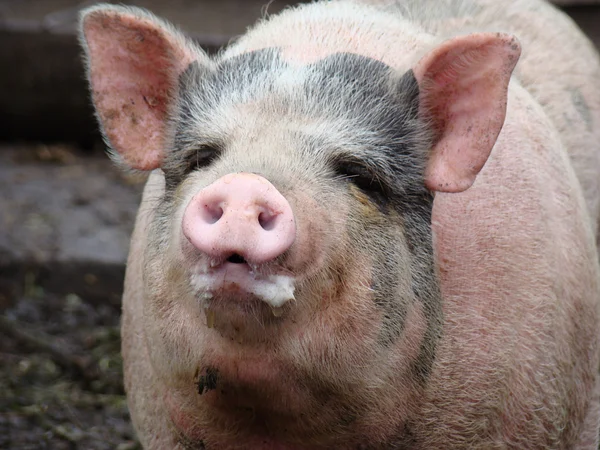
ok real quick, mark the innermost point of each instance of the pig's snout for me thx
(240, 215)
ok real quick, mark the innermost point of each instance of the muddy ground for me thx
(65, 217)
(60, 375)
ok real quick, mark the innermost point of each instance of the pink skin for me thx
(241, 214)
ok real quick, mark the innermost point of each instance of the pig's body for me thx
(501, 353)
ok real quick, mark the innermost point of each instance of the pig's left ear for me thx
(463, 86)
(134, 61)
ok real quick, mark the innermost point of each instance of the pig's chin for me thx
(239, 292)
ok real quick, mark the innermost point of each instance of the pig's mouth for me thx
(236, 281)
(236, 259)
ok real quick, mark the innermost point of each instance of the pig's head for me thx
(289, 271)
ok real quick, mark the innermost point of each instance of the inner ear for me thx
(463, 86)
(134, 62)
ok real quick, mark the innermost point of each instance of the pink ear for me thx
(463, 85)
(134, 61)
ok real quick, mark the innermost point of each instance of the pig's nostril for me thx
(211, 213)
(267, 220)
(236, 259)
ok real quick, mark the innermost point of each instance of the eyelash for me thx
(362, 178)
(202, 157)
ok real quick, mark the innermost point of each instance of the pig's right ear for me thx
(463, 85)
(134, 61)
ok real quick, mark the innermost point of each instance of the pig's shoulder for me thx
(523, 214)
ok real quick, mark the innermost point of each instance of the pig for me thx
(365, 226)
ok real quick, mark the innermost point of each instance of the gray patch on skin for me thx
(400, 186)
(413, 203)
(582, 107)
(425, 285)
(394, 313)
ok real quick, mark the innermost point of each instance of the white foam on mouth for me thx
(274, 290)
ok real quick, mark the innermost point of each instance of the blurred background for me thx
(65, 218)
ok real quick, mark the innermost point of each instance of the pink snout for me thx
(240, 214)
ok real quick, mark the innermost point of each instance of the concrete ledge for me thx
(66, 220)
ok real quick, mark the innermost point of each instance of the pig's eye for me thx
(362, 177)
(202, 157)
